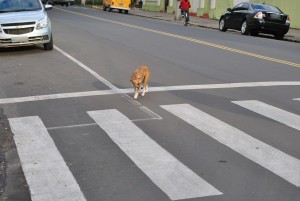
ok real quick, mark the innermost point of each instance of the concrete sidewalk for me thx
(293, 34)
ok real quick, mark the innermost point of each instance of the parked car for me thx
(119, 5)
(25, 23)
(255, 18)
(60, 2)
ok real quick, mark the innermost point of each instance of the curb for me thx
(97, 7)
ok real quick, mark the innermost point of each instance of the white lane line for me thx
(271, 112)
(222, 86)
(297, 99)
(169, 174)
(151, 89)
(94, 124)
(278, 162)
(115, 89)
(96, 75)
(150, 112)
(71, 126)
(55, 96)
(147, 119)
(46, 173)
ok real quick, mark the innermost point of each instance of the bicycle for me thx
(184, 17)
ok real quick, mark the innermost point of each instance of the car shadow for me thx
(267, 36)
(20, 49)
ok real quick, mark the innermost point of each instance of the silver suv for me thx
(25, 22)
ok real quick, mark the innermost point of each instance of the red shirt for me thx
(185, 4)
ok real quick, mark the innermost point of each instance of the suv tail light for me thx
(259, 15)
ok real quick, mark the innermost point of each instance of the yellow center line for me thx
(191, 40)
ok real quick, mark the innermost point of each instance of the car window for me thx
(19, 5)
(265, 7)
(245, 6)
(238, 7)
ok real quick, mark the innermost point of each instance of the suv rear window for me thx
(19, 5)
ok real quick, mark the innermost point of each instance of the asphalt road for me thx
(220, 123)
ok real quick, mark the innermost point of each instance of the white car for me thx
(25, 22)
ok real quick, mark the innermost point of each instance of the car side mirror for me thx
(48, 7)
(229, 9)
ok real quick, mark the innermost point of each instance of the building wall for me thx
(203, 11)
(220, 8)
(153, 5)
(171, 7)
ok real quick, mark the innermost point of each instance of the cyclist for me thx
(185, 6)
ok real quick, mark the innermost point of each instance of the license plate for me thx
(20, 39)
(120, 4)
(275, 16)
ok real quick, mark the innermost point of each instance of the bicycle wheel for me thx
(185, 19)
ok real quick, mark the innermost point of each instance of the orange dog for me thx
(140, 76)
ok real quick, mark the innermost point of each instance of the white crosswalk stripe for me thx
(271, 112)
(46, 173)
(49, 178)
(278, 162)
(169, 174)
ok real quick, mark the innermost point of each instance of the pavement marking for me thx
(55, 96)
(46, 172)
(297, 99)
(223, 86)
(71, 126)
(114, 89)
(271, 112)
(278, 162)
(92, 72)
(94, 124)
(150, 113)
(190, 39)
(169, 174)
(151, 89)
